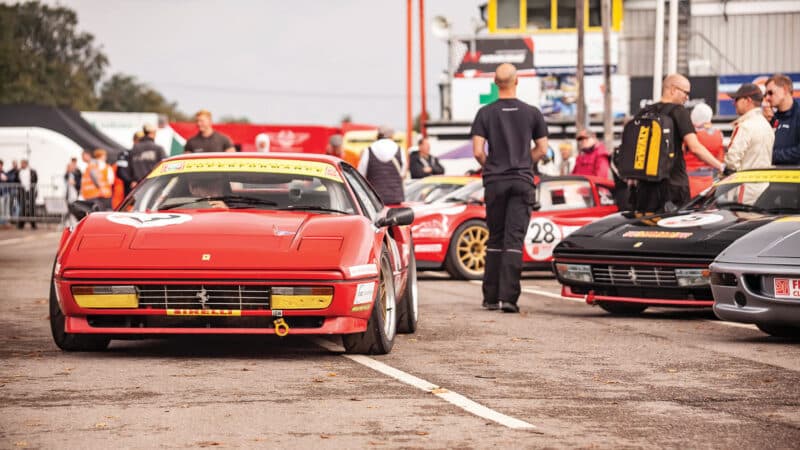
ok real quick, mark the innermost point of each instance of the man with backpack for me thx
(650, 157)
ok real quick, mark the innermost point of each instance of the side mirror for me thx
(81, 208)
(395, 217)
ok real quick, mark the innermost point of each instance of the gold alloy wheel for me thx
(471, 249)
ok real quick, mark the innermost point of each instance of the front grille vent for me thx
(204, 296)
(619, 275)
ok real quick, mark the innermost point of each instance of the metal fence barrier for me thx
(19, 205)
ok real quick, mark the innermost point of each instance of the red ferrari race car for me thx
(451, 233)
(434, 187)
(230, 244)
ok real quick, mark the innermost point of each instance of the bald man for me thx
(667, 195)
(508, 125)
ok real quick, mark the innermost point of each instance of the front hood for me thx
(215, 240)
(701, 234)
(775, 243)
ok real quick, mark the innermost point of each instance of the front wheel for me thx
(622, 309)
(408, 307)
(378, 338)
(466, 256)
(68, 341)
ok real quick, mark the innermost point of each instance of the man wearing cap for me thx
(206, 139)
(751, 142)
(384, 165)
(145, 155)
(786, 121)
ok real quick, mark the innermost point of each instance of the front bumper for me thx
(756, 302)
(189, 316)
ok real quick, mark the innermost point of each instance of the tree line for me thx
(46, 59)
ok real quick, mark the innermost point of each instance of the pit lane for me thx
(669, 378)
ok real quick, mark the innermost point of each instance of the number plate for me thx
(786, 287)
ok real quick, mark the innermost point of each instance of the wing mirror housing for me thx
(82, 208)
(395, 217)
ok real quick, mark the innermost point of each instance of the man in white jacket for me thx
(384, 165)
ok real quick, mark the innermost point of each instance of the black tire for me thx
(622, 309)
(466, 256)
(68, 341)
(782, 331)
(378, 338)
(408, 306)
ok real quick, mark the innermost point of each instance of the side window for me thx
(369, 201)
(606, 197)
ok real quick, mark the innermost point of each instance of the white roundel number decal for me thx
(148, 220)
(541, 238)
(690, 220)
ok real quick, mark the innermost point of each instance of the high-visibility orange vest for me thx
(117, 190)
(91, 191)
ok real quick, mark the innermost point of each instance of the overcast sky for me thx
(291, 62)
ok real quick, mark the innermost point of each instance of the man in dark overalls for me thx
(508, 125)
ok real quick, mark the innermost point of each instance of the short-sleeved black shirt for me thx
(217, 142)
(683, 126)
(508, 125)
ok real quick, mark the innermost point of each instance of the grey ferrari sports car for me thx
(757, 279)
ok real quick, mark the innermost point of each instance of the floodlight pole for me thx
(608, 111)
(580, 118)
(423, 116)
(409, 115)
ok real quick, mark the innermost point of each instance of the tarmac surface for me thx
(571, 374)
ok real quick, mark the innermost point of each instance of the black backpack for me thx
(647, 151)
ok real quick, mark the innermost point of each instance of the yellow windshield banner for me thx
(448, 180)
(763, 176)
(258, 165)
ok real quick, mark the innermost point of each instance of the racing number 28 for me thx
(542, 233)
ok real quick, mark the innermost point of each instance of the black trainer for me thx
(509, 307)
(491, 306)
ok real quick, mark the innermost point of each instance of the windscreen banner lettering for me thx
(257, 165)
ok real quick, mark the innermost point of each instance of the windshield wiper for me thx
(228, 199)
(313, 208)
(736, 206)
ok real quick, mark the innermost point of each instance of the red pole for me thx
(409, 117)
(424, 114)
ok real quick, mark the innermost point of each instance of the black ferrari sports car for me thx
(625, 263)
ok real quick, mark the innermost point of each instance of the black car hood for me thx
(698, 234)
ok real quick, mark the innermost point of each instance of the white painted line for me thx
(543, 293)
(449, 396)
(26, 238)
(748, 326)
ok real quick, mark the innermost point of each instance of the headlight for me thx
(306, 297)
(576, 272)
(105, 296)
(692, 277)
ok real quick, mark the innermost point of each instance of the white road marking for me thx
(447, 395)
(543, 293)
(27, 238)
(748, 326)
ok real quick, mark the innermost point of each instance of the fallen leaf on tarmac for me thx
(488, 321)
(353, 399)
(422, 433)
(439, 391)
(672, 370)
(412, 340)
(207, 444)
(101, 425)
(41, 302)
(184, 406)
(245, 369)
(331, 374)
(485, 377)
(376, 443)
(324, 436)
(20, 444)
(769, 380)
(318, 380)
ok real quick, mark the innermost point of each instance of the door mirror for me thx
(395, 217)
(81, 208)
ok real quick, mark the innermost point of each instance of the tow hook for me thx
(590, 298)
(281, 327)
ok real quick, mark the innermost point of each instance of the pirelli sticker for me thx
(764, 176)
(257, 165)
(657, 234)
(204, 312)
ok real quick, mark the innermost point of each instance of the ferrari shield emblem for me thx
(637, 245)
(206, 257)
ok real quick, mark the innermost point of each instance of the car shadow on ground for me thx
(216, 347)
(432, 275)
(654, 313)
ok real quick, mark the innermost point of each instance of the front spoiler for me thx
(331, 325)
(591, 299)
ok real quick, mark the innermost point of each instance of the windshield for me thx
(472, 192)
(420, 191)
(765, 197)
(266, 187)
